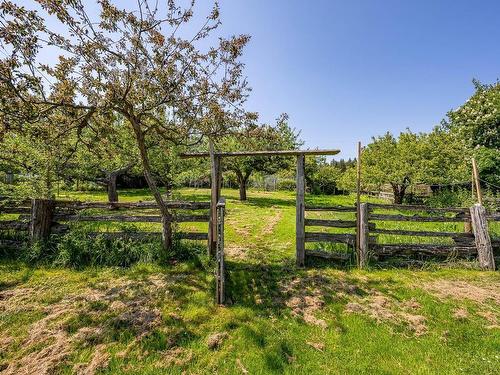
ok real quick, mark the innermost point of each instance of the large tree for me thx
(255, 137)
(107, 151)
(434, 158)
(477, 123)
(145, 64)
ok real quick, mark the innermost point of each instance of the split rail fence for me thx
(377, 236)
(38, 219)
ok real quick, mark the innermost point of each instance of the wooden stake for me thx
(358, 201)
(476, 179)
(482, 237)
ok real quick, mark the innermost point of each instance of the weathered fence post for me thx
(482, 237)
(364, 235)
(42, 212)
(220, 271)
(300, 212)
(214, 198)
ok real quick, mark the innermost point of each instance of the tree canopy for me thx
(144, 64)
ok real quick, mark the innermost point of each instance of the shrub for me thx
(451, 198)
(286, 184)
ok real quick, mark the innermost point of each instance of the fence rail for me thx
(368, 226)
(44, 217)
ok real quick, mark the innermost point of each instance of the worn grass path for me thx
(152, 319)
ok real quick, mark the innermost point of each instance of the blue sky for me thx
(347, 70)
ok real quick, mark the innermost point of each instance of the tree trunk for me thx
(242, 181)
(9, 178)
(399, 192)
(243, 190)
(112, 192)
(148, 175)
(110, 181)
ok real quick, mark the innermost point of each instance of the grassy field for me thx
(326, 319)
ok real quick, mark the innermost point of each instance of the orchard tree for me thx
(145, 64)
(322, 177)
(437, 157)
(477, 123)
(107, 151)
(259, 138)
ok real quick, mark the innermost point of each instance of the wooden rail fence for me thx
(367, 226)
(40, 218)
(348, 239)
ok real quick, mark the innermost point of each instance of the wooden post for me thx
(300, 229)
(42, 212)
(467, 222)
(482, 237)
(364, 235)
(220, 271)
(215, 176)
(358, 199)
(476, 179)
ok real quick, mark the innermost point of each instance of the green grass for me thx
(326, 319)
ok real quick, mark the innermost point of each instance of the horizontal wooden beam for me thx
(330, 223)
(259, 153)
(146, 235)
(418, 208)
(133, 205)
(427, 249)
(132, 218)
(15, 210)
(330, 237)
(328, 254)
(422, 233)
(12, 243)
(493, 217)
(414, 218)
(331, 208)
(14, 224)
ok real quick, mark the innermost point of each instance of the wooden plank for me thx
(132, 218)
(482, 237)
(15, 210)
(328, 254)
(426, 249)
(193, 236)
(330, 223)
(58, 228)
(414, 218)
(330, 237)
(146, 235)
(14, 225)
(11, 243)
(183, 205)
(493, 217)
(259, 153)
(419, 208)
(364, 236)
(331, 208)
(422, 233)
(300, 236)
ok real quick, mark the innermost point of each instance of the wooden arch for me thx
(216, 174)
